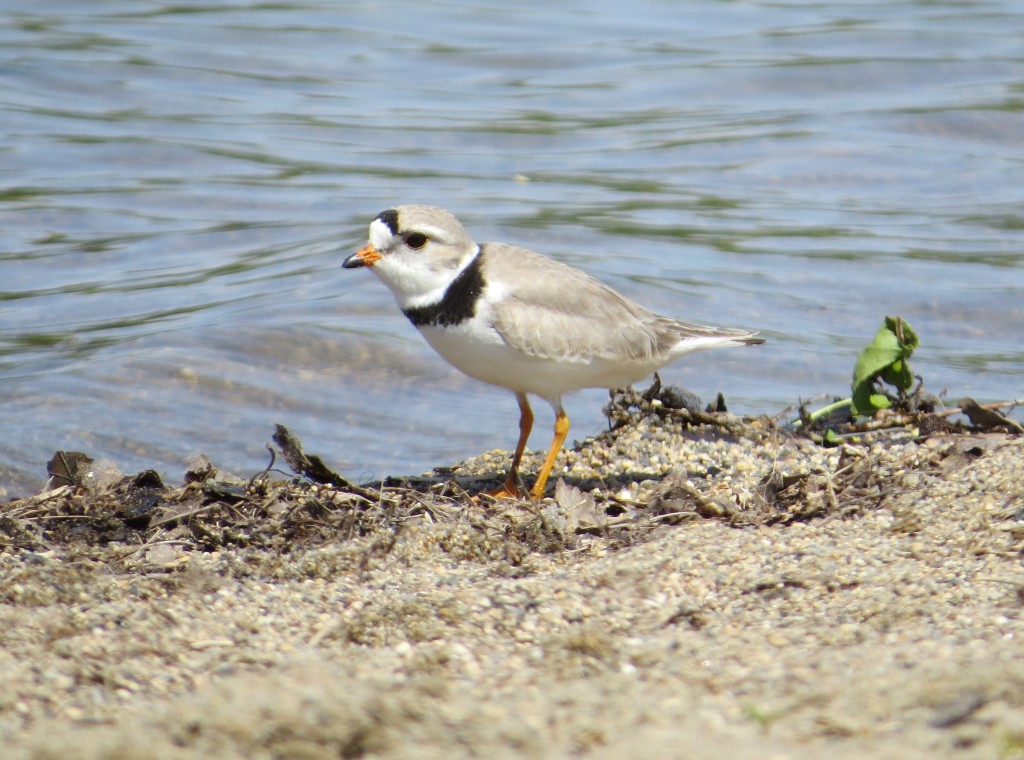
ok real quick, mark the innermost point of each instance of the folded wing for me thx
(559, 312)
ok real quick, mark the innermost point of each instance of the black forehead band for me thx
(390, 219)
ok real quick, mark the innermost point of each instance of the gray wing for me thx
(557, 312)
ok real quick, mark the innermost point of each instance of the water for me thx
(179, 185)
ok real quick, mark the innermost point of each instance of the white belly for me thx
(477, 350)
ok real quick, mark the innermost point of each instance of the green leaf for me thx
(884, 359)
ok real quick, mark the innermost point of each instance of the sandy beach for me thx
(688, 592)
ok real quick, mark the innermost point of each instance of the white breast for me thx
(476, 349)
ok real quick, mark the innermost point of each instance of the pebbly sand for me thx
(692, 591)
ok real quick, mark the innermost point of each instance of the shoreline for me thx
(690, 590)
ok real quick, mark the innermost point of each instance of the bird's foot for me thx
(504, 492)
(508, 490)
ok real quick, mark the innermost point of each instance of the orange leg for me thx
(510, 489)
(561, 431)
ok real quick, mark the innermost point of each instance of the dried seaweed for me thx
(211, 511)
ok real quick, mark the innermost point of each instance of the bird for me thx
(517, 319)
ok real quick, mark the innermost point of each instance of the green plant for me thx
(884, 359)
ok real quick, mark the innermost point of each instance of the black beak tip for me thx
(353, 262)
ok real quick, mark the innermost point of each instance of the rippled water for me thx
(180, 183)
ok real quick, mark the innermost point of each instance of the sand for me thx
(692, 592)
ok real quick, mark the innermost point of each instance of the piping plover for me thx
(514, 318)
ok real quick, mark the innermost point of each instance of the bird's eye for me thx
(415, 240)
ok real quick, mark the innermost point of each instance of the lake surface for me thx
(179, 184)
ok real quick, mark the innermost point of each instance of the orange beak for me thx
(366, 256)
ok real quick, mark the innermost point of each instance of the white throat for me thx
(414, 281)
